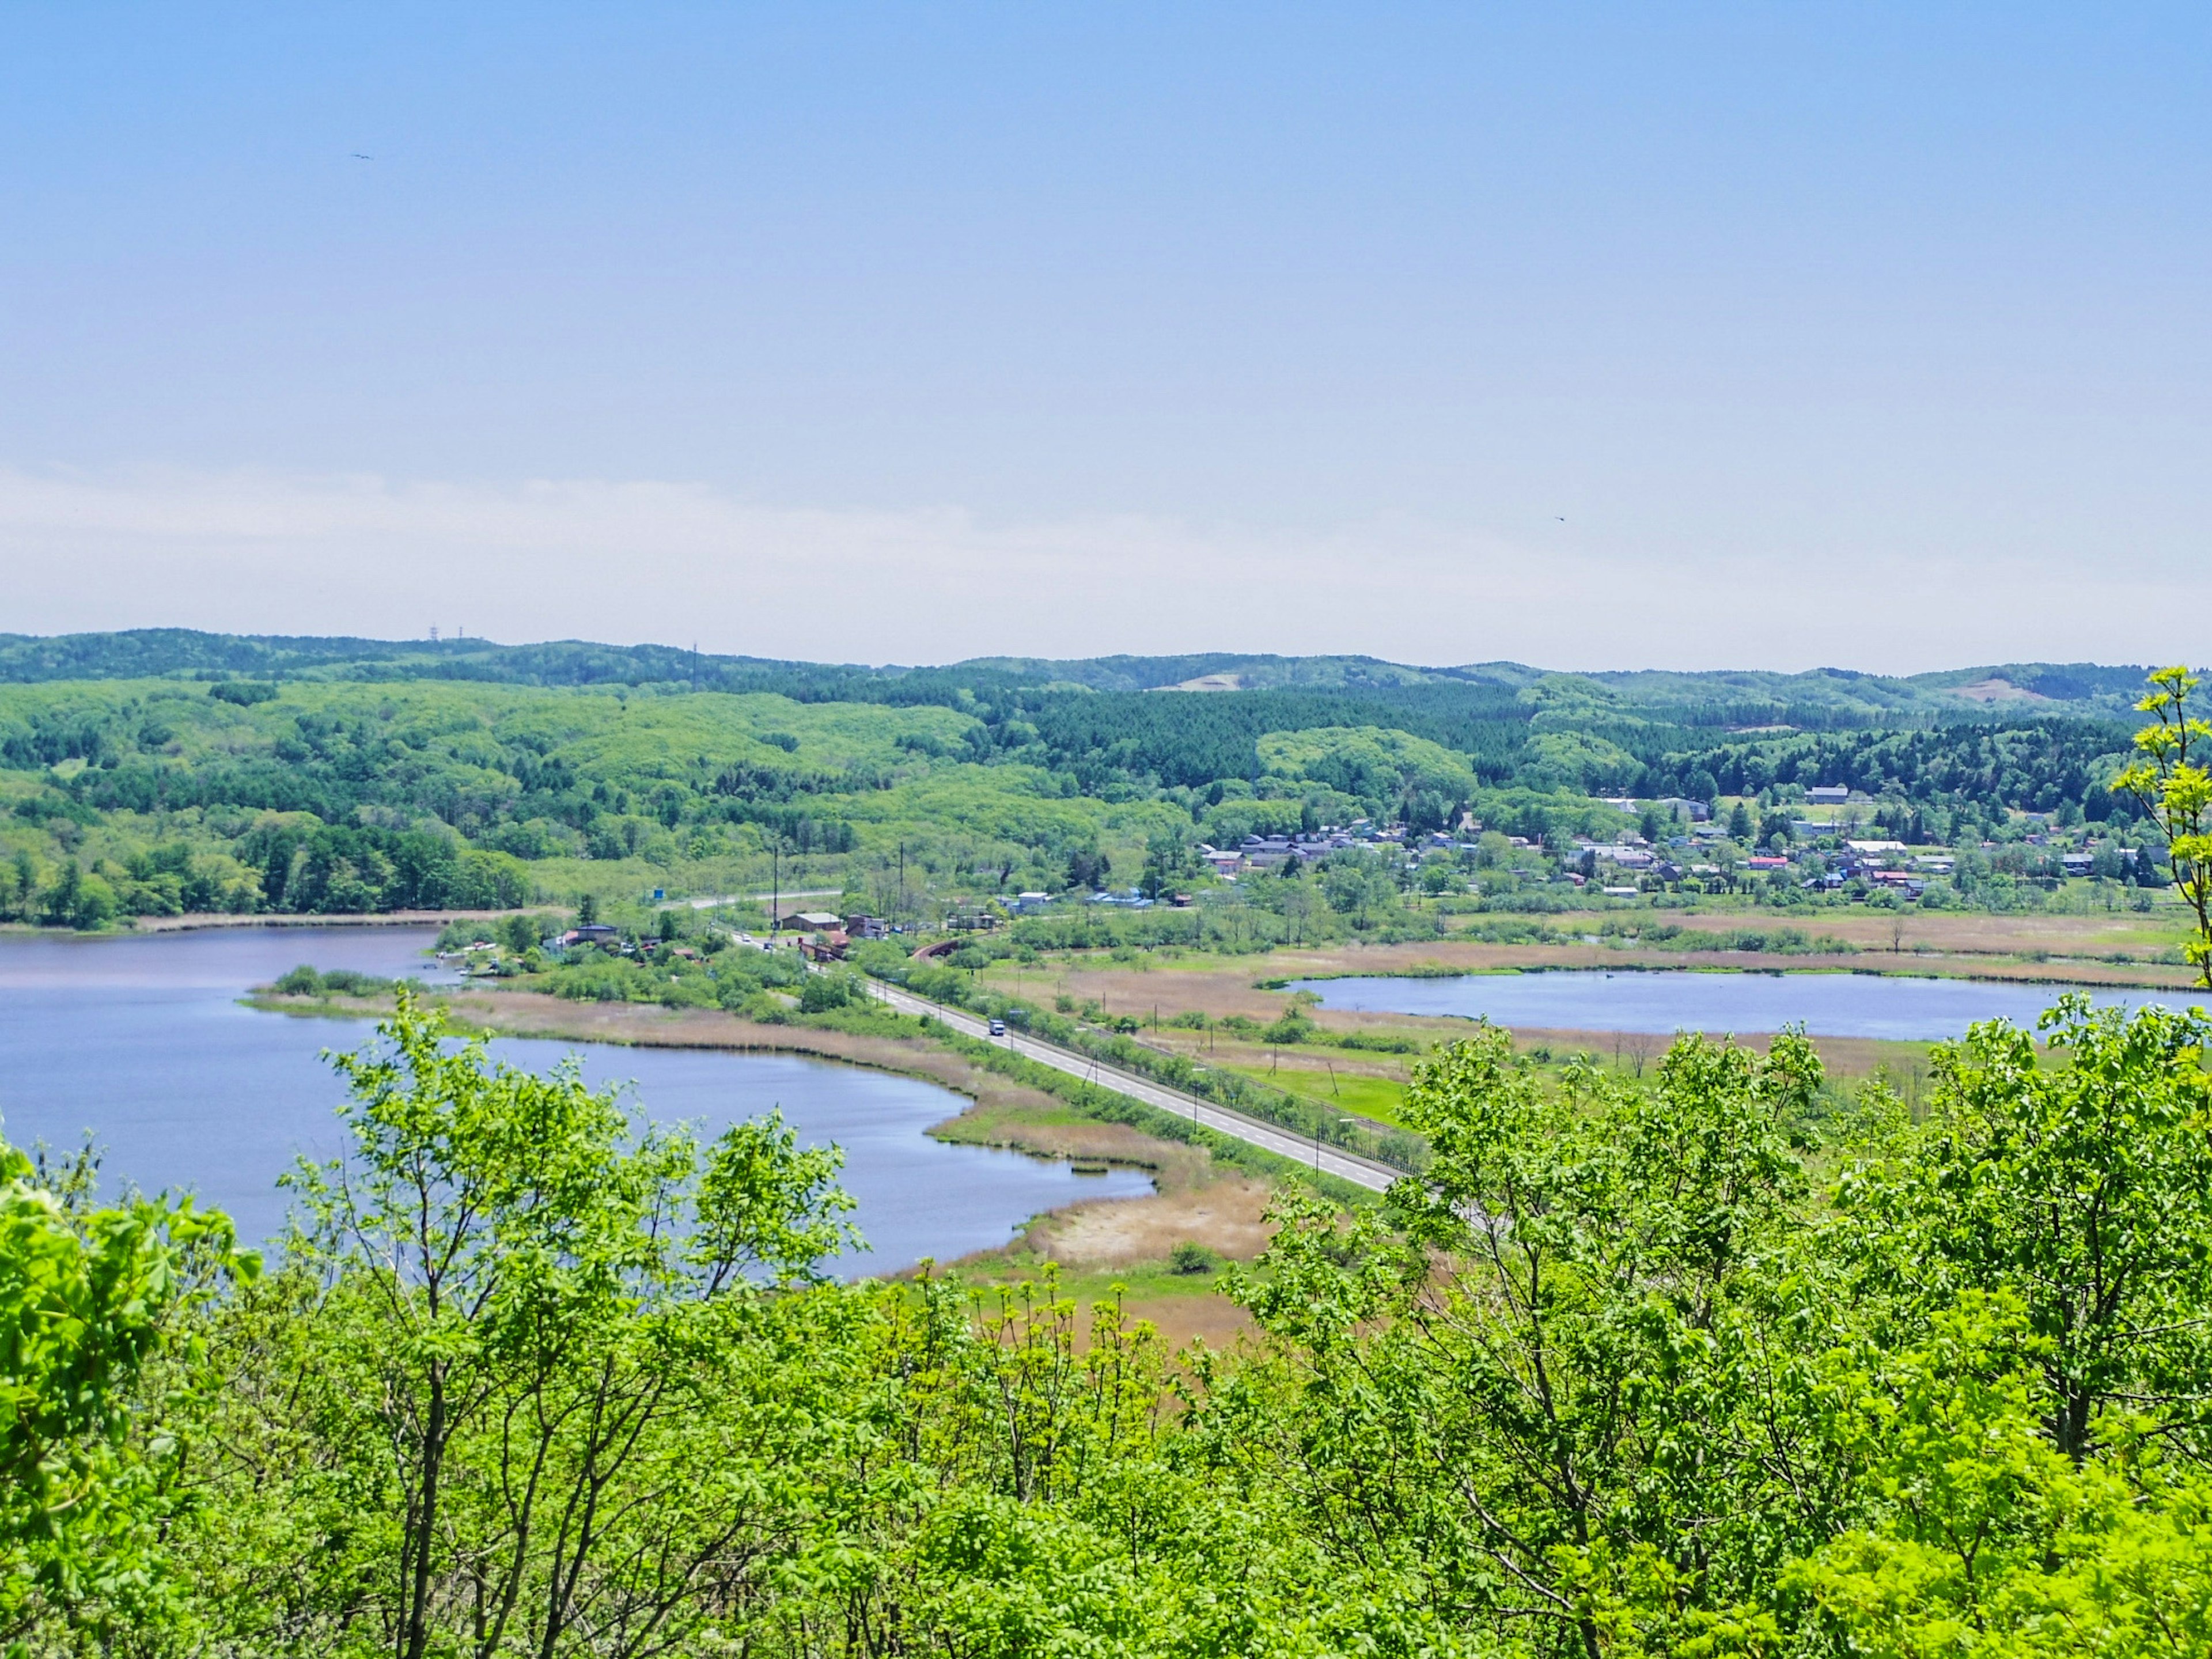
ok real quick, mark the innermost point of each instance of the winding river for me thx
(141, 1042)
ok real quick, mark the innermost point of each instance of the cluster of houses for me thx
(1272, 852)
(1877, 863)
(826, 936)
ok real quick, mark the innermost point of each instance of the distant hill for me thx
(1821, 698)
(174, 769)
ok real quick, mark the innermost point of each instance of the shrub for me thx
(244, 693)
(1376, 1042)
(823, 991)
(305, 981)
(940, 984)
(346, 982)
(1191, 1258)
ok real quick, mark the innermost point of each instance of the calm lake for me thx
(1683, 999)
(141, 1041)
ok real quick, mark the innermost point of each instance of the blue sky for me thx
(1593, 335)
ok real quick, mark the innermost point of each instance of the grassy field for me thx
(1327, 1082)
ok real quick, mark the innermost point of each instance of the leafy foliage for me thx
(2175, 790)
(94, 1305)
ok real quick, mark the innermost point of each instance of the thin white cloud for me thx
(259, 552)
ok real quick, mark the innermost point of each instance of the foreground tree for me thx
(2075, 1181)
(1556, 1383)
(94, 1310)
(2175, 789)
(1991, 1541)
(529, 1381)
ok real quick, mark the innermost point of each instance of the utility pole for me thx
(775, 885)
(1317, 1142)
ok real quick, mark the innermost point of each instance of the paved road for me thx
(1334, 1160)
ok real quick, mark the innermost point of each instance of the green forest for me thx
(1712, 1360)
(163, 772)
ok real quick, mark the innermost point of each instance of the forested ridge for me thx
(173, 770)
(1713, 698)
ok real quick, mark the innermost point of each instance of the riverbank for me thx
(203, 921)
(197, 922)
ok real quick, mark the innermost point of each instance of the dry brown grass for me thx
(1226, 1216)
(1220, 986)
(1181, 1319)
(1961, 933)
(525, 1013)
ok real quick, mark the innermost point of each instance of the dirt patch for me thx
(1997, 688)
(1226, 1216)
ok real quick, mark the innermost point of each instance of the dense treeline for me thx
(2038, 767)
(1193, 741)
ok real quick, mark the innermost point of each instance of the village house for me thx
(830, 946)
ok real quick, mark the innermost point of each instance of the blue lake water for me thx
(141, 1042)
(1666, 1000)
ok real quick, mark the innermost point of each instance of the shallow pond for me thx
(1666, 1000)
(141, 1040)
